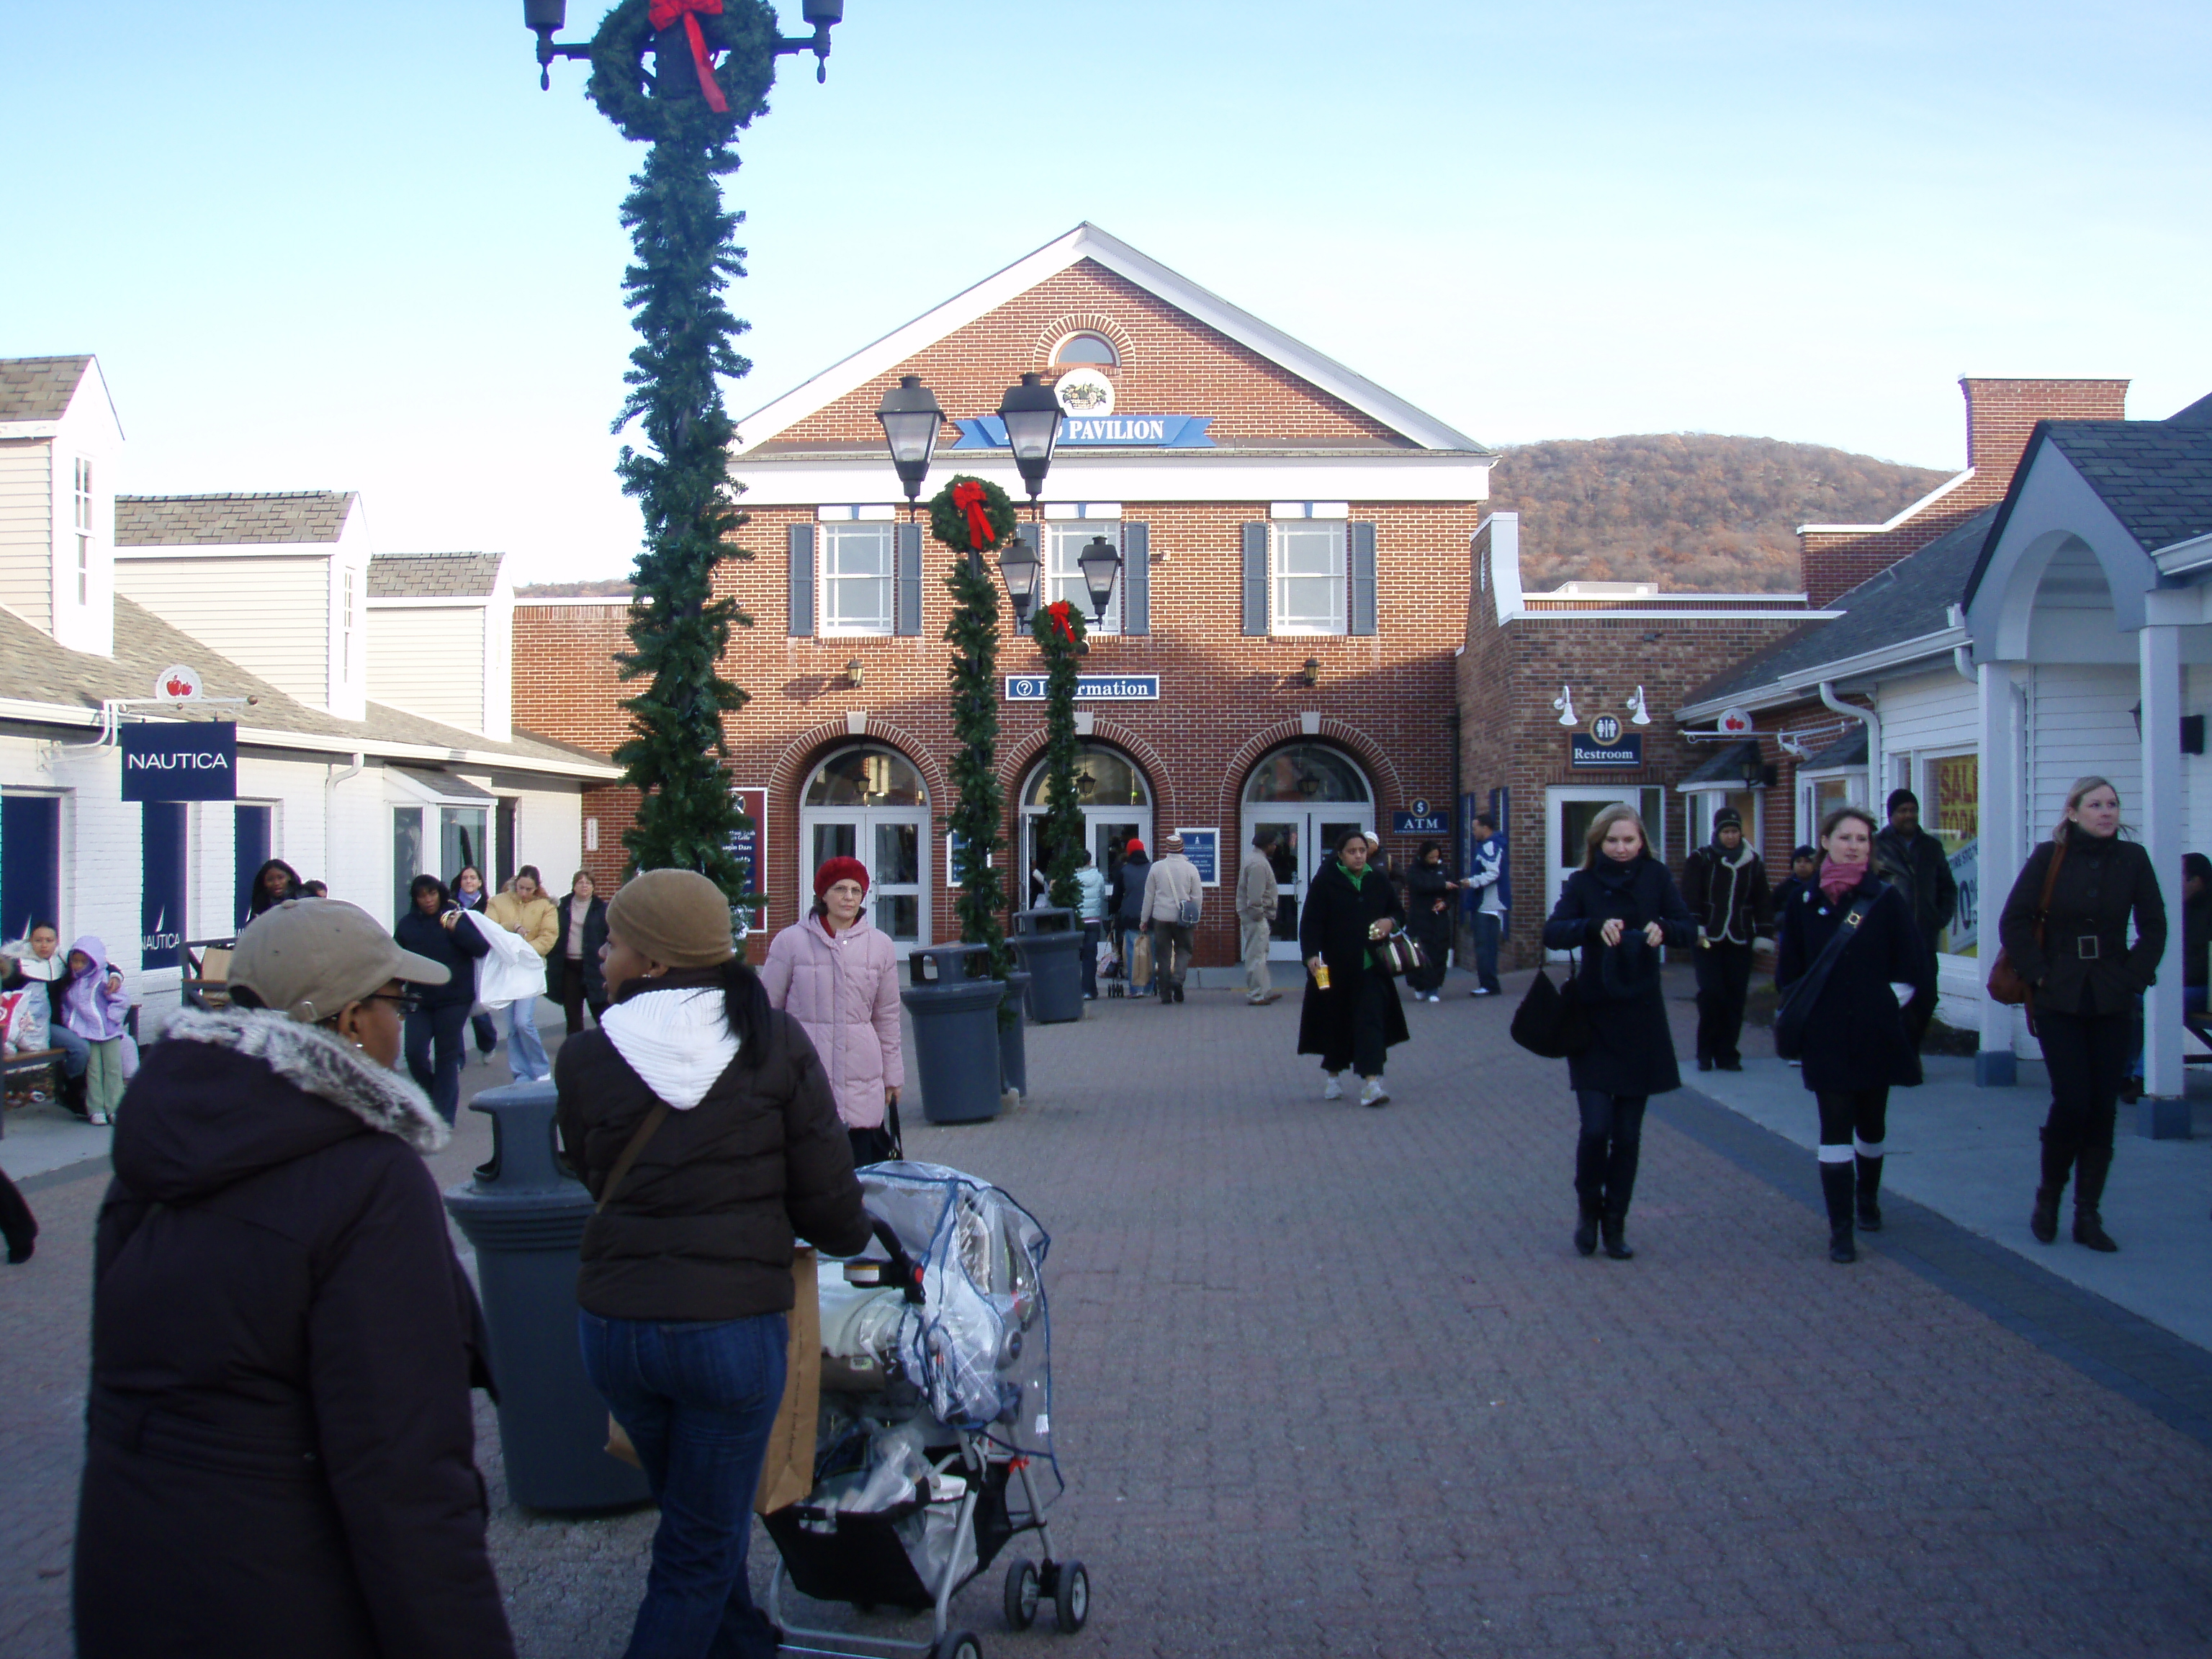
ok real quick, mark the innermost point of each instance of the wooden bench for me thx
(206, 984)
(35, 1060)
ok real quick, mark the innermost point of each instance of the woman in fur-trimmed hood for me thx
(280, 1456)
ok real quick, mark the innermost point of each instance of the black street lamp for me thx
(1099, 561)
(546, 18)
(1018, 568)
(911, 421)
(1031, 413)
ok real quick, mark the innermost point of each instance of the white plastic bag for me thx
(511, 970)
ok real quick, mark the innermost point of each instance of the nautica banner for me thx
(195, 762)
(1117, 431)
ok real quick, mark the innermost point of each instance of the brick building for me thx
(1279, 647)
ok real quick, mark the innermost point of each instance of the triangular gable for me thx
(1086, 242)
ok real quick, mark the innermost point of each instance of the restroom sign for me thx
(1604, 730)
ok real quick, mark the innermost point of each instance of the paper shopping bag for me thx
(787, 1473)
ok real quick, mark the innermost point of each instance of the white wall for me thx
(1928, 712)
(2079, 724)
(27, 550)
(430, 661)
(549, 832)
(268, 613)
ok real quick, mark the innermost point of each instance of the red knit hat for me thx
(833, 871)
(1133, 847)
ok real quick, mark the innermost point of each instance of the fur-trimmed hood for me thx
(224, 1096)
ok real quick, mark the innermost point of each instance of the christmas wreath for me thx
(745, 30)
(971, 515)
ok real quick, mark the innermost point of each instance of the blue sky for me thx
(357, 248)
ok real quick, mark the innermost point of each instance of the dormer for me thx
(277, 583)
(441, 638)
(60, 443)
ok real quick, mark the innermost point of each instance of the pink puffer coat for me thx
(845, 992)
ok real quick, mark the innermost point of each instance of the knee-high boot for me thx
(2096, 1162)
(1590, 1190)
(1836, 1181)
(1869, 1182)
(2058, 1165)
(1619, 1188)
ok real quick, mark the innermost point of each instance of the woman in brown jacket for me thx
(2085, 978)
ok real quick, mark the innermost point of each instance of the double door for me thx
(889, 842)
(1107, 832)
(1305, 839)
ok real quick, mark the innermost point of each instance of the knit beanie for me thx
(674, 917)
(833, 871)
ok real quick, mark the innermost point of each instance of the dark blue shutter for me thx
(1255, 579)
(906, 616)
(1136, 579)
(1362, 563)
(162, 892)
(251, 850)
(30, 864)
(801, 590)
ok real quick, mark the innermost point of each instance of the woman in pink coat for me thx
(838, 977)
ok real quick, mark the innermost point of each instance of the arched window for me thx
(1086, 348)
(1306, 772)
(1102, 778)
(871, 776)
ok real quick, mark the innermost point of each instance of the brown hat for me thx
(674, 917)
(309, 959)
(1172, 844)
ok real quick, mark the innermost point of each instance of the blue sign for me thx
(1089, 688)
(1585, 750)
(745, 848)
(1100, 431)
(198, 761)
(1418, 820)
(1203, 849)
(163, 839)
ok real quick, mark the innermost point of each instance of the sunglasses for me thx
(407, 1002)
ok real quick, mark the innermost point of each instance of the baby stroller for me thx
(935, 1421)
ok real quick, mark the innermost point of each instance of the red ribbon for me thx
(1059, 611)
(662, 13)
(967, 497)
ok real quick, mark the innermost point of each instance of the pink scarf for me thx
(1837, 879)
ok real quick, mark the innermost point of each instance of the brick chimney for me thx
(2000, 415)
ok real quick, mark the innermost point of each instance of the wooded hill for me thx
(1687, 510)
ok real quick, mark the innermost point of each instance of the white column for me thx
(1997, 858)
(2161, 832)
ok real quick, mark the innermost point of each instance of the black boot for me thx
(1836, 1181)
(18, 1225)
(72, 1095)
(2096, 1162)
(1869, 1173)
(1586, 1229)
(2058, 1165)
(1614, 1224)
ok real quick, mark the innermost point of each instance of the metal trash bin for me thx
(956, 1017)
(525, 1213)
(1013, 1052)
(1049, 942)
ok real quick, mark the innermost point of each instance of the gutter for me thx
(1873, 723)
(1779, 692)
(331, 808)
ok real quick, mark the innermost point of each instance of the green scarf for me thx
(1359, 879)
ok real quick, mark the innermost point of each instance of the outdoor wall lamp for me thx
(854, 673)
(1639, 712)
(546, 18)
(1565, 703)
(1099, 561)
(1312, 674)
(1018, 568)
(911, 421)
(1031, 414)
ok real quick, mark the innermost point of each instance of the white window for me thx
(345, 632)
(856, 578)
(83, 531)
(1306, 574)
(1063, 576)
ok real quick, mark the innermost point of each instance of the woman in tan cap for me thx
(701, 1119)
(280, 1450)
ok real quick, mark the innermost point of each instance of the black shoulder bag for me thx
(1551, 1022)
(1795, 1008)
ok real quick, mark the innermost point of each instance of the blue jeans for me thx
(75, 1050)
(526, 1049)
(697, 1399)
(1488, 926)
(439, 1031)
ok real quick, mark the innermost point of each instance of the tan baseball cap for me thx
(310, 957)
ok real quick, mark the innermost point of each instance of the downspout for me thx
(1873, 739)
(330, 809)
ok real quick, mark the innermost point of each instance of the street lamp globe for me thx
(1019, 569)
(911, 421)
(1099, 561)
(1031, 413)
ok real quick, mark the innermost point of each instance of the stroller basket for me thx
(837, 1556)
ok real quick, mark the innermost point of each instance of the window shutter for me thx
(906, 615)
(1360, 551)
(800, 593)
(1136, 579)
(1255, 579)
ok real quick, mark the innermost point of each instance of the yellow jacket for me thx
(534, 919)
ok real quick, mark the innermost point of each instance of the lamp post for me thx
(547, 18)
(1099, 562)
(1031, 414)
(911, 421)
(1018, 568)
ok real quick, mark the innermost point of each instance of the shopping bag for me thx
(787, 1473)
(1141, 961)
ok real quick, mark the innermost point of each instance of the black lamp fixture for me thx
(1031, 414)
(911, 421)
(1018, 568)
(1310, 673)
(1756, 773)
(1099, 562)
(546, 18)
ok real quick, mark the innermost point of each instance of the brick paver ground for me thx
(1332, 1381)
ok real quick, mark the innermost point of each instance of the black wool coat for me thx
(1618, 985)
(1332, 926)
(1924, 869)
(456, 948)
(2085, 965)
(1855, 1036)
(595, 936)
(1727, 893)
(280, 1455)
(1433, 927)
(703, 1226)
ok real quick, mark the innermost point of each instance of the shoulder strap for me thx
(2049, 886)
(1816, 976)
(620, 1173)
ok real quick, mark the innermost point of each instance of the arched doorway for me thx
(1305, 795)
(1117, 808)
(868, 802)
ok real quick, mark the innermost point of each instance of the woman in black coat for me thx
(273, 883)
(2086, 979)
(1618, 910)
(576, 950)
(1855, 1040)
(1429, 919)
(1352, 1015)
(280, 1454)
(436, 1048)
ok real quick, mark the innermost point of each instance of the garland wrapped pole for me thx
(1059, 630)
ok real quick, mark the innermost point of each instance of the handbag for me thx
(1187, 913)
(2005, 984)
(1399, 953)
(1550, 1021)
(1795, 1008)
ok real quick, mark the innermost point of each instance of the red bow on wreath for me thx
(662, 13)
(967, 497)
(1059, 611)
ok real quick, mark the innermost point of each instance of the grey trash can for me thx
(956, 1018)
(1013, 1053)
(1049, 941)
(524, 1214)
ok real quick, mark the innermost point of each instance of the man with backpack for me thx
(1173, 889)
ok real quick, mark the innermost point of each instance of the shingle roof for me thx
(2157, 476)
(1911, 598)
(301, 515)
(34, 669)
(1850, 749)
(1725, 764)
(38, 388)
(433, 576)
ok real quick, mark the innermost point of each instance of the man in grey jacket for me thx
(1173, 891)
(1257, 897)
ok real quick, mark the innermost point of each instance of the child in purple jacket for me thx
(94, 1006)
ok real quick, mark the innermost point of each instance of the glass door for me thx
(1569, 812)
(1306, 839)
(889, 842)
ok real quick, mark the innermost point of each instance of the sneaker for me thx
(1373, 1094)
(1335, 1089)
(1482, 990)
(1433, 997)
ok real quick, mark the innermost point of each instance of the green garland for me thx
(973, 634)
(624, 91)
(1059, 632)
(949, 523)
